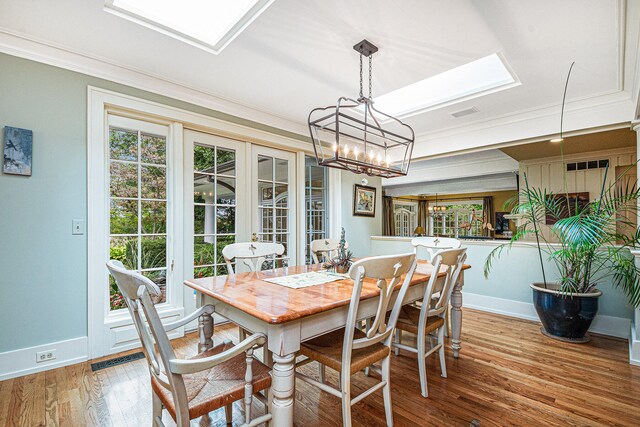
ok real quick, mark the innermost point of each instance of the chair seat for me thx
(327, 349)
(214, 388)
(408, 320)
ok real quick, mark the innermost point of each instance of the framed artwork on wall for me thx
(18, 146)
(364, 201)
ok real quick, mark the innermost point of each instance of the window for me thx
(316, 189)
(485, 75)
(138, 203)
(274, 206)
(209, 25)
(406, 217)
(214, 207)
(457, 220)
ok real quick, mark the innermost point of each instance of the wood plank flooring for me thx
(507, 374)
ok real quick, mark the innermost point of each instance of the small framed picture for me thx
(18, 146)
(364, 201)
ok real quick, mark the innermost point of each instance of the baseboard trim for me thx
(21, 362)
(634, 347)
(605, 325)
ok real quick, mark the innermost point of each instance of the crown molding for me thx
(612, 111)
(27, 47)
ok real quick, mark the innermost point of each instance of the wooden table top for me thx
(279, 304)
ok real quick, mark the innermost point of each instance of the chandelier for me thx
(355, 136)
(435, 208)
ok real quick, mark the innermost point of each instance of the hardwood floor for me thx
(507, 374)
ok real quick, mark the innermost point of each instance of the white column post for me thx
(634, 339)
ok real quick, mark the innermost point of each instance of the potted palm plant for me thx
(586, 247)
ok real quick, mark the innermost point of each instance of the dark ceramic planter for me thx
(565, 317)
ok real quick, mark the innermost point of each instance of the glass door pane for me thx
(274, 202)
(138, 204)
(214, 206)
(316, 216)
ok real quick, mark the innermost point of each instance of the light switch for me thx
(77, 226)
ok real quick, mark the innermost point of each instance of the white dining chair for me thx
(349, 350)
(325, 249)
(250, 254)
(191, 388)
(434, 244)
(428, 320)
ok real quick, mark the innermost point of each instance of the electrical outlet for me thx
(45, 356)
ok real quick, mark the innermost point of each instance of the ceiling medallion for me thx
(354, 136)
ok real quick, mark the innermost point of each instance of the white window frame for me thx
(457, 219)
(102, 102)
(412, 214)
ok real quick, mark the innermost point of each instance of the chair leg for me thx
(157, 410)
(345, 388)
(386, 390)
(443, 362)
(321, 371)
(422, 363)
(228, 413)
(447, 321)
(398, 340)
(367, 327)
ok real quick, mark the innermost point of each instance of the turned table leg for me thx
(282, 388)
(205, 328)
(456, 316)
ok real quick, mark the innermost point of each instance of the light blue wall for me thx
(359, 229)
(511, 275)
(43, 268)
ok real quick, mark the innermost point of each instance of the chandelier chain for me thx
(370, 74)
(361, 84)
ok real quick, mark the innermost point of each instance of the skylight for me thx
(208, 24)
(483, 76)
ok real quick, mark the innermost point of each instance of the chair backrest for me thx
(452, 260)
(387, 271)
(323, 248)
(434, 244)
(251, 254)
(137, 291)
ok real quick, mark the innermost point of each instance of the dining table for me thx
(289, 316)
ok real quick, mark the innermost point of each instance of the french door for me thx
(234, 191)
(134, 217)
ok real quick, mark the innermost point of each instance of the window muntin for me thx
(138, 214)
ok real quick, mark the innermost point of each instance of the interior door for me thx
(215, 205)
(273, 202)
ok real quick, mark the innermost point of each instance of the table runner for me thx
(303, 280)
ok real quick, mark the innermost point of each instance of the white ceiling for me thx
(298, 55)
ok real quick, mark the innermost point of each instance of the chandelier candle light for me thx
(354, 136)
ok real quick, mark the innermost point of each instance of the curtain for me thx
(487, 213)
(422, 215)
(388, 217)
